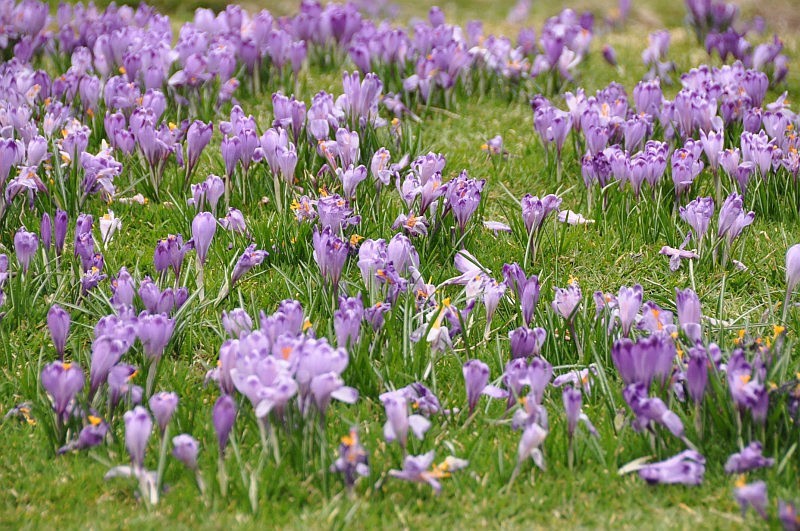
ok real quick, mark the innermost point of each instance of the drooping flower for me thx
(535, 210)
(750, 458)
(687, 468)
(421, 469)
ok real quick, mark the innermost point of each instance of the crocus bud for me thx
(793, 267)
(138, 426)
(184, 449)
(204, 226)
(163, 406)
(46, 230)
(58, 322)
(25, 245)
(223, 417)
(61, 223)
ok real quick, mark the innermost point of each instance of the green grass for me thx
(621, 248)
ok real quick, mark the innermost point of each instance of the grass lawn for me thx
(621, 248)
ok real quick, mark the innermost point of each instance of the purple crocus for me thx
(566, 301)
(792, 268)
(330, 253)
(353, 460)
(750, 458)
(526, 289)
(421, 469)
(58, 322)
(62, 381)
(163, 406)
(154, 332)
(732, 218)
(197, 138)
(60, 230)
(25, 245)
(204, 225)
(223, 417)
(90, 436)
(573, 400)
(526, 342)
(689, 313)
(535, 210)
(697, 214)
(752, 495)
(697, 373)
(398, 421)
(46, 230)
(185, 449)
(687, 468)
(138, 426)
(629, 301)
(476, 378)
(650, 357)
(787, 514)
(250, 258)
(347, 321)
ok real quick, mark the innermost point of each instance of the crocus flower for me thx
(237, 322)
(687, 468)
(223, 417)
(62, 381)
(185, 449)
(476, 378)
(689, 313)
(792, 267)
(629, 300)
(60, 230)
(109, 224)
(573, 400)
(197, 138)
(250, 258)
(25, 245)
(697, 373)
(529, 445)
(138, 426)
(750, 458)
(90, 436)
(752, 495)
(420, 469)
(46, 230)
(566, 301)
(732, 218)
(353, 460)
(399, 421)
(163, 406)
(698, 215)
(787, 514)
(535, 210)
(204, 225)
(650, 357)
(526, 289)
(106, 352)
(154, 332)
(526, 342)
(330, 253)
(58, 322)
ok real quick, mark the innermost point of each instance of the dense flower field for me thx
(244, 271)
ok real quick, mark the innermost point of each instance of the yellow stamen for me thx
(94, 421)
(122, 70)
(306, 325)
